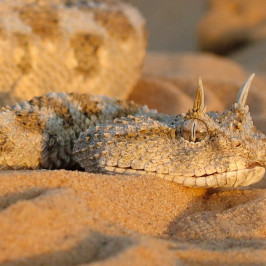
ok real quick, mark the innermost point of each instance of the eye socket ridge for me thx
(194, 130)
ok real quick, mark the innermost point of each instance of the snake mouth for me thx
(243, 177)
(237, 178)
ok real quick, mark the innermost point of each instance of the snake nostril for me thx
(236, 143)
(254, 165)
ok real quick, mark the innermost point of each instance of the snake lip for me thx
(249, 167)
(240, 177)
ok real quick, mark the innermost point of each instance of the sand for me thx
(66, 218)
(76, 218)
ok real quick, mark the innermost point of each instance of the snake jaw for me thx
(237, 178)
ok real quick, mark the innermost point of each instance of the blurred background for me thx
(232, 28)
(172, 24)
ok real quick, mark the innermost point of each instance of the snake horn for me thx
(243, 92)
(198, 105)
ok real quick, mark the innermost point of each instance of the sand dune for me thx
(66, 218)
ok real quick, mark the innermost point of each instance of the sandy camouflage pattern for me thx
(196, 149)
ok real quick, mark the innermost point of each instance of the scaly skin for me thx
(196, 149)
(40, 133)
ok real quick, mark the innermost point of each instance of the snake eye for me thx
(194, 130)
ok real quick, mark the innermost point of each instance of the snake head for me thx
(196, 149)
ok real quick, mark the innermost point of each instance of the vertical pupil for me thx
(193, 131)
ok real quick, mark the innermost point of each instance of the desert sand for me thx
(67, 218)
(76, 218)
